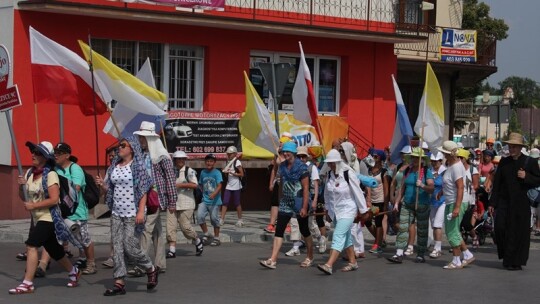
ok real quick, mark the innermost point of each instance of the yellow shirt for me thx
(36, 194)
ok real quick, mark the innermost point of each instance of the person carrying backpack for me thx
(417, 185)
(233, 189)
(73, 172)
(43, 193)
(186, 183)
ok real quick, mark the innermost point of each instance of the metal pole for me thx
(274, 89)
(61, 118)
(16, 149)
(499, 120)
(531, 139)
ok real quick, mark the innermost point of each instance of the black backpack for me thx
(197, 192)
(68, 199)
(91, 191)
(243, 178)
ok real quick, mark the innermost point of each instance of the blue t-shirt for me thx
(409, 196)
(438, 188)
(75, 174)
(209, 181)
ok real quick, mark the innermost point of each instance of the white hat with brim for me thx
(436, 156)
(147, 129)
(180, 154)
(333, 156)
(44, 148)
(448, 147)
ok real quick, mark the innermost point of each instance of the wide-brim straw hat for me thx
(448, 147)
(515, 139)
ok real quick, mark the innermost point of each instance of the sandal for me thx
(170, 255)
(136, 272)
(396, 259)
(22, 289)
(118, 289)
(306, 263)
(21, 256)
(40, 273)
(74, 279)
(215, 242)
(325, 268)
(350, 267)
(152, 278)
(409, 251)
(268, 264)
(198, 247)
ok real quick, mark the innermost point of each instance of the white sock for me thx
(172, 249)
(399, 252)
(456, 260)
(73, 270)
(29, 283)
(438, 245)
(467, 254)
(297, 244)
(411, 247)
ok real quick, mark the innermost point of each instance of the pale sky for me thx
(519, 54)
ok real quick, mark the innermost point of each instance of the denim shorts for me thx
(204, 209)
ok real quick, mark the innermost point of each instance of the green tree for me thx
(513, 125)
(525, 90)
(476, 16)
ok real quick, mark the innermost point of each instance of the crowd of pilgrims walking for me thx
(450, 189)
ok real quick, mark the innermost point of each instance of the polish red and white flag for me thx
(305, 108)
(60, 76)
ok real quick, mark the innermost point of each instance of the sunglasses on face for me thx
(36, 153)
(123, 145)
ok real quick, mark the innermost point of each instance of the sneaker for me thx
(288, 229)
(109, 263)
(409, 251)
(322, 244)
(467, 262)
(221, 222)
(376, 249)
(90, 269)
(270, 228)
(268, 264)
(239, 224)
(452, 266)
(293, 252)
(435, 254)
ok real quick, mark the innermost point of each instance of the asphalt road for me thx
(231, 274)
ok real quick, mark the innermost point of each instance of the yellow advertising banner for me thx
(333, 127)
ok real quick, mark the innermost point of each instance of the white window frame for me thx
(199, 75)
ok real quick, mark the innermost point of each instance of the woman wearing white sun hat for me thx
(343, 200)
(436, 214)
(453, 190)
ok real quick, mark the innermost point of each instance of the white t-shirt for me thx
(451, 175)
(233, 182)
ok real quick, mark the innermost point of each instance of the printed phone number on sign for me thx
(199, 149)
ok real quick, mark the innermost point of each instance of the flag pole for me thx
(421, 138)
(91, 65)
(37, 123)
(163, 135)
(114, 121)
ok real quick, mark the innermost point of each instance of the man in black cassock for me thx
(515, 175)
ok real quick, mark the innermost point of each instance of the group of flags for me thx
(63, 77)
(429, 125)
